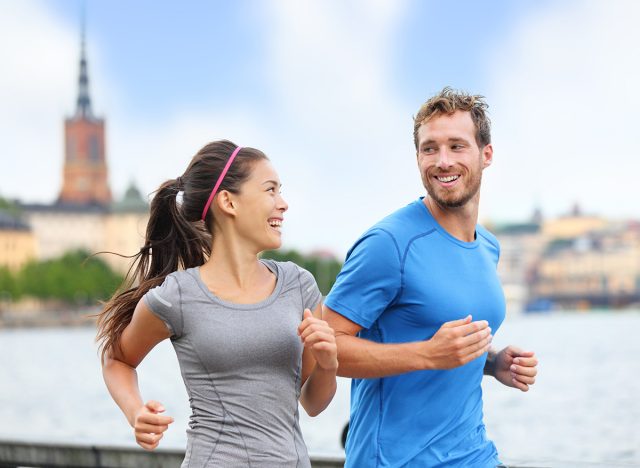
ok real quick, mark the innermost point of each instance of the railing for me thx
(38, 455)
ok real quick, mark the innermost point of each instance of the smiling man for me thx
(415, 305)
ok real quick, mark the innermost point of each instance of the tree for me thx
(8, 285)
(75, 277)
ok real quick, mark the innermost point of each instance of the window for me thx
(94, 149)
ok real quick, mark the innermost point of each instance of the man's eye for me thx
(457, 147)
(428, 150)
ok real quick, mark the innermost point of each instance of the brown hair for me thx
(176, 237)
(447, 102)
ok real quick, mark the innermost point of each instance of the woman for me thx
(246, 349)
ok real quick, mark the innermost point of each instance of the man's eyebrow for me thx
(449, 140)
(454, 139)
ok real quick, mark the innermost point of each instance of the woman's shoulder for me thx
(179, 279)
(292, 273)
(286, 267)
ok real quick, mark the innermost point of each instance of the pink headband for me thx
(220, 178)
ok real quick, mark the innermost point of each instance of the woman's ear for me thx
(226, 203)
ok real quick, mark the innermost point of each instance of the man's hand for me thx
(516, 368)
(456, 343)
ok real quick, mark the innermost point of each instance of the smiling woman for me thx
(247, 342)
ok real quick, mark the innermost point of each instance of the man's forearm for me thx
(490, 364)
(360, 358)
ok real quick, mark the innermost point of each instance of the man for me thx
(415, 303)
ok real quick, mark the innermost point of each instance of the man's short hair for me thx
(447, 102)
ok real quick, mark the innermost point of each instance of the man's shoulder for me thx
(485, 235)
(395, 232)
(406, 222)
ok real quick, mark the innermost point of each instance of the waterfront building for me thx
(574, 261)
(599, 269)
(84, 215)
(572, 225)
(520, 248)
(17, 242)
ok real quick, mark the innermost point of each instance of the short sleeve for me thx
(165, 302)
(311, 295)
(370, 279)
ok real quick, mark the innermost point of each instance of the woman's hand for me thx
(149, 425)
(320, 339)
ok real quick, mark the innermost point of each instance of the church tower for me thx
(85, 167)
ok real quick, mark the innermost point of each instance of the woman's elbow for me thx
(312, 411)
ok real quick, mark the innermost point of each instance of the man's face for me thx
(449, 159)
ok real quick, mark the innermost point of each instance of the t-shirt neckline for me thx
(467, 245)
(271, 265)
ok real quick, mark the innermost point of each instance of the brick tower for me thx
(85, 165)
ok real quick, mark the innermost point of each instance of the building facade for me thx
(17, 242)
(84, 215)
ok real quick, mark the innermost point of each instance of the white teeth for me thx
(448, 178)
(276, 223)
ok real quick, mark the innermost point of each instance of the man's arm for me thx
(512, 367)
(453, 345)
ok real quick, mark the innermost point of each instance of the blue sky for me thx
(328, 89)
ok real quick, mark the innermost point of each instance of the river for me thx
(584, 409)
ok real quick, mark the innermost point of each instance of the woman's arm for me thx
(119, 371)
(319, 362)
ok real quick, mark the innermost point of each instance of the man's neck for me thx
(459, 222)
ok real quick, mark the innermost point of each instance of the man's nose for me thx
(444, 159)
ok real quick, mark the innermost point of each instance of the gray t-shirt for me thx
(241, 365)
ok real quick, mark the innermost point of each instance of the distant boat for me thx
(539, 305)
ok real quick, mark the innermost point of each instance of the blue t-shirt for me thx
(401, 281)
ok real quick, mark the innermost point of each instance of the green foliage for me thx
(325, 270)
(9, 207)
(74, 277)
(9, 289)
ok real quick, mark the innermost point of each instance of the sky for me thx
(328, 90)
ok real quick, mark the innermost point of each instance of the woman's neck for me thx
(232, 263)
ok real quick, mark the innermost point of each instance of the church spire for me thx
(83, 105)
(85, 174)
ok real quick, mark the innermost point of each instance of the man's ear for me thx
(226, 203)
(487, 155)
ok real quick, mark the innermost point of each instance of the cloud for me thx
(564, 100)
(338, 138)
(331, 72)
(39, 55)
(337, 133)
(39, 58)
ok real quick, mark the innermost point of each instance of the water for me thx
(582, 411)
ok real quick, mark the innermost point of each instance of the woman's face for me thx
(260, 208)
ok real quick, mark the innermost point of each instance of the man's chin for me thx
(450, 202)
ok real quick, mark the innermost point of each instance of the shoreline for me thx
(84, 317)
(67, 318)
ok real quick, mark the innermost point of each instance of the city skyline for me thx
(328, 89)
